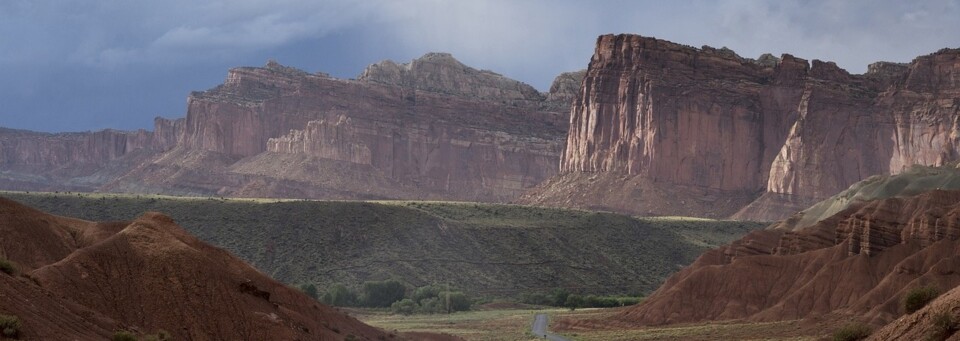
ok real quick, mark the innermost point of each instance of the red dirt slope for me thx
(858, 262)
(84, 280)
(922, 324)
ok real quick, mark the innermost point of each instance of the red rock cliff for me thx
(717, 130)
(432, 128)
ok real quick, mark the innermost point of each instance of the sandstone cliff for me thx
(429, 129)
(714, 125)
(64, 161)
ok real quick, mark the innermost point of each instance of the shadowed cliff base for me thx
(635, 194)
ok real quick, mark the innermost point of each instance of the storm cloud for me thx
(93, 64)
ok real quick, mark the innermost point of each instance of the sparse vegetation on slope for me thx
(7, 266)
(10, 326)
(917, 298)
(852, 332)
(486, 250)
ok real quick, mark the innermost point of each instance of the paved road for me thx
(540, 329)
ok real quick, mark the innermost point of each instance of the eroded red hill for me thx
(85, 280)
(859, 262)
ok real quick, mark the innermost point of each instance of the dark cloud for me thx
(90, 64)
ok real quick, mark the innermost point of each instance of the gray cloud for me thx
(152, 43)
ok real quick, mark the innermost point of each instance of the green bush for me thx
(382, 294)
(309, 289)
(405, 306)
(560, 297)
(573, 302)
(944, 326)
(340, 296)
(852, 332)
(123, 335)
(536, 299)
(453, 301)
(428, 291)
(10, 326)
(431, 306)
(917, 298)
(7, 266)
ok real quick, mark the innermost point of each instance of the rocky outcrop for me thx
(707, 118)
(565, 88)
(858, 262)
(441, 73)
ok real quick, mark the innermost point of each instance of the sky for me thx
(79, 65)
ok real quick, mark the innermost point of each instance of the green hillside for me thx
(485, 249)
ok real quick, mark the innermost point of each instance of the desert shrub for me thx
(431, 306)
(852, 332)
(536, 299)
(560, 297)
(340, 296)
(428, 291)
(944, 326)
(453, 301)
(123, 335)
(405, 306)
(629, 300)
(10, 326)
(381, 294)
(309, 289)
(7, 266)
(573, 302)
(917, 298)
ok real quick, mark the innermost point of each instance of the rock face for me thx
(431, 129)
(734, 127)
(65, 161)
(88, 279)
(441, 73)
(437, 157)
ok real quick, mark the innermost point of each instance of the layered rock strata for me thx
(432, 128)
(736, 127)
(859, 262)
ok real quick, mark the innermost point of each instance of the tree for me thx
(309, 289)
(405, 306)
(560, 297)
(573, 302)
(340, 296)
(382, 294)
(453, 301)
(425, 292)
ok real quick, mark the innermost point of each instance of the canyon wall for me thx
(706, 124)
(433, 128)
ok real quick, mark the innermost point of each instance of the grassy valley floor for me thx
(486, 250)
(514, 325)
